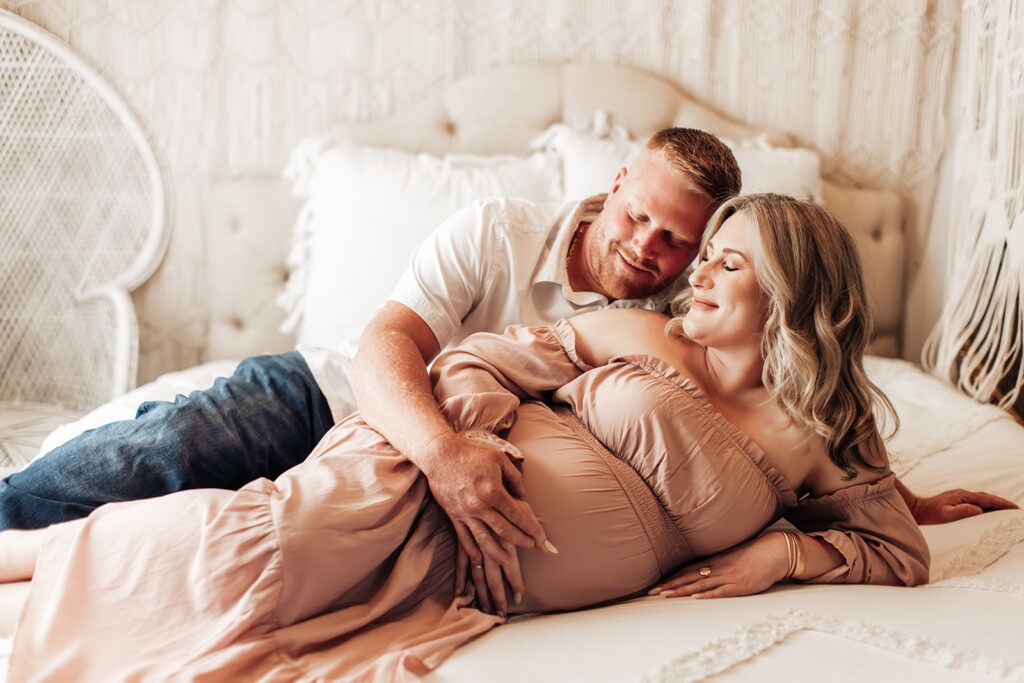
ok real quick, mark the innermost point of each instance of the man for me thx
(495, 263)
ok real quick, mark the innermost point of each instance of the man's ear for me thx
(619, 177)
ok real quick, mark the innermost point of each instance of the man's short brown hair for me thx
(704, 159)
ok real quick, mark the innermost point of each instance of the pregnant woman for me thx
(654, 451)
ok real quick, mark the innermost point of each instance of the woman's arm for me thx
(860, 534)
(753, 566)
(872, 528)
(480, 383)
(603, 335)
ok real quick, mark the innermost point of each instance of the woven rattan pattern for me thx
(76, 215)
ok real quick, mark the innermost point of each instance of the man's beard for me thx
(619, 283)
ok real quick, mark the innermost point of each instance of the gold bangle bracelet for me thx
(798, 558)
(790, 564)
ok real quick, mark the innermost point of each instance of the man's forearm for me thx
(473, 480)
(393, 392)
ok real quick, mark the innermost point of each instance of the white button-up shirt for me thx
(493, 264)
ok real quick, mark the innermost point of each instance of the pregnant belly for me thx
(604, 552)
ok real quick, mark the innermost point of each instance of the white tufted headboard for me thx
(501, 111)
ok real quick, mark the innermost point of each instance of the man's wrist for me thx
(432, 448)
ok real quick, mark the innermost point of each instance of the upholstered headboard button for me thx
(875, 218)
(250, 225)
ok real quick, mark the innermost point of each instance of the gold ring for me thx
(705, 572)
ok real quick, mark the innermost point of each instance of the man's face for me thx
(647, 233)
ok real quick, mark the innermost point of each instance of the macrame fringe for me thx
(978, 338)
(977, 342)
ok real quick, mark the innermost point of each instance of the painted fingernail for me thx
(655, 591)
(517, 598)
(697, 595)
(550, 547)
(665, 594)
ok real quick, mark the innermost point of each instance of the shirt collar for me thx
(553, 266)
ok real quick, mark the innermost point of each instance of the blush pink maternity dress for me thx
(342, 568)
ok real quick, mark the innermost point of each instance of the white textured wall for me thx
(228, 87)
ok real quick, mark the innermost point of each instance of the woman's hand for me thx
(748, 568)
(490, 578)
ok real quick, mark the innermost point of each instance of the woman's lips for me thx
(700, 303)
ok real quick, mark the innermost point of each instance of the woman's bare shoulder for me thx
(610, 317)
(603, 335)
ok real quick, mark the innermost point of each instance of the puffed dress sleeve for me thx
(480, 383)
(871, 526)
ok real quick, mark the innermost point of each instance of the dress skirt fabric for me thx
(342, 568)
(277, 581)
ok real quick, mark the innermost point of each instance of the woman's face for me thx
(728, 308)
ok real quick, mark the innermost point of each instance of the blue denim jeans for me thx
(261, 421)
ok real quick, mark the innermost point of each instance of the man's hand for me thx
(950, 506)
(477, 483)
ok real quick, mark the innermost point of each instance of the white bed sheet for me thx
(965, 625)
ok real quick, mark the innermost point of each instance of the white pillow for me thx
(590, 162)
(794, 171)
(367, 209)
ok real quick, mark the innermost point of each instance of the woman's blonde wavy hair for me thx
(818, 324)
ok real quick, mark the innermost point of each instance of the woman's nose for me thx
(698, 278)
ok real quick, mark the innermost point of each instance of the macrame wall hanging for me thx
(977, 342)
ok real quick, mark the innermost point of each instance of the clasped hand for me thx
(480, 488)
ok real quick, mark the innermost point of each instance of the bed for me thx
(551, 131)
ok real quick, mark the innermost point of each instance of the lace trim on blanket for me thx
(746, 643)
(991, 546)
(982, 583)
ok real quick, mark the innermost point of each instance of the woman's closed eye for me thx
(726, 266)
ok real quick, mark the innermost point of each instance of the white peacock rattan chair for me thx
(83, 220)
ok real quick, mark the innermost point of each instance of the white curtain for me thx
(228, 87)
(978, 338)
